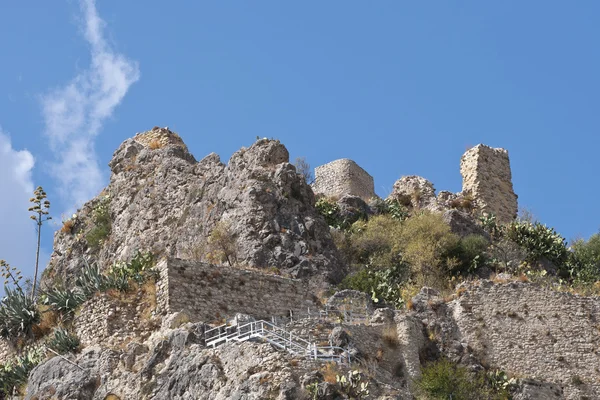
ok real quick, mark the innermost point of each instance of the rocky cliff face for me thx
(161, 199)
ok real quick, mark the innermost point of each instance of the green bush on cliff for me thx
(585, 259)
(102, 223)
(443, 380)
(539, 241)
(14, 372)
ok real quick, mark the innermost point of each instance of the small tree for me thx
(40, 210)
(222, 244)
(303, 169)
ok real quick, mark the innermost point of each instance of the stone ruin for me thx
(343, 177)
(487, 185)
(159, 137)
(487, 177)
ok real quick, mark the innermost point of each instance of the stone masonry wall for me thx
(108, 321)
(6, 351)
(487, 176)
(210, 293)
(341, 177)
(534, 332)
(159, 137)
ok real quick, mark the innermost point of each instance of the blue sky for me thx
(400, 87)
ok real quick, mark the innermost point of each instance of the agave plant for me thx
(64, 300)
(90, 280)
(63, 341)
(18, 314)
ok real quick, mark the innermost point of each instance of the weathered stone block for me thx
(341, 177)
(487, 177)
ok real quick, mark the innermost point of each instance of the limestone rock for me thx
(414, 191)
(352, 208)
(175, 320)
(162, 200)
(532, 390)
(351, 300)
(339, 337)
(462, 223)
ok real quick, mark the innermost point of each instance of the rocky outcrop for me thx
(462, 223)
(173, 369)
(161, 199)
(415, 192)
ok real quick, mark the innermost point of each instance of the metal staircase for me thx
(278, 337)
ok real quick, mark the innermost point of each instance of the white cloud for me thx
(17, 231)
(74, 114)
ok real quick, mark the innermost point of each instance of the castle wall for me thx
(534, 332)
(210, 293)
(6, 351)
(341, 177)
(108, 321)
(487, 176)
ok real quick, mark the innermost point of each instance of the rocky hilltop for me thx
(189, 279)
(161, 199)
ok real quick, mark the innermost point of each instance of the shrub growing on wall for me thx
(102, 223)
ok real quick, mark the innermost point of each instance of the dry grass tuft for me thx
(155, 144)
(49, 320)
(379, 354)
(390, 336)
(67, 226)
(330, 372)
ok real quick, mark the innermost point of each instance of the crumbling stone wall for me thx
(104, 320)
(487, 176)
(6, 351)
(341, 177)
(534, 332)
(159, 137)
(210, 293)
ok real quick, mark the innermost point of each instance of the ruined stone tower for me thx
(486, 175)
(341, 177)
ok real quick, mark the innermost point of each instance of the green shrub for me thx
(376, 242)
(539, 241)
(391, 207)
(470, 254)
(384, 285)
(102, 224)
(443, 380)
(222, 244)
(425, 240)
(14, 372)
(18, 313)
(330, 211)
(63, 342)
(585, 259)
(489, 224)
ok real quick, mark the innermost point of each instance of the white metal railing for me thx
(334, 314)
(277, 336)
